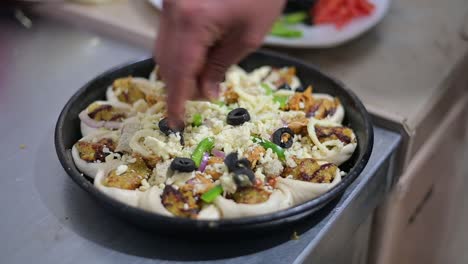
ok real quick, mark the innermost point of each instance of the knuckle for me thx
(169, 4)
(190, 11)
(217, 67)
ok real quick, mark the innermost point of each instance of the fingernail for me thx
(214, 91)
(175, 122)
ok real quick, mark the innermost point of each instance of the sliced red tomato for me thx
(340, 12)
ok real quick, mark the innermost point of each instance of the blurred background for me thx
(407, 60)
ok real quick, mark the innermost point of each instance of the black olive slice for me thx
(283, 137)
(164, 127)
(243, 163)
(300, 89)
(238, 116)
(285, 86)
(233, 162)
(183, 165)
(244, 177)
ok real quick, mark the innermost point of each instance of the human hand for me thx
(199, 40)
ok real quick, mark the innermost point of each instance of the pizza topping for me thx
(128, 177)
(164, 127)
(127, 91)
(180, 203)
(323, 108)
(105, 112)
(238, 116)
(270, 145)
(342, 134)
(95, 151)
(310, 170)
(301, 101)
(254, 154)
(283, 137)
(299, 126)
(233, 151)
(206, 145)
(250, 195)
(284, 86)
(213, 167)
(183, 165)
(230, 95)
(211, 195)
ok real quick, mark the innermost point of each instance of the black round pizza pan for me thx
(67, 132)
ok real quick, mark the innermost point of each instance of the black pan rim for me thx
(296, 210)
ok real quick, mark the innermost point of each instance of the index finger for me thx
(181, 54)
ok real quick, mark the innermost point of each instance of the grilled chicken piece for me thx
(152, 99)
(180, 203)
(230, 97)
(127, 91)
(151, 161)
(299, 126)
(285, 76)
(197, 185)
(310, 170)
(210, 170)
(131, 178)
(322, 108)
(254, 154)
(93, 152)
(250, 195)
(105, 112)
(302, 101)
(343, 134)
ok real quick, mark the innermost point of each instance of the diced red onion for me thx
(284, 122)
(204, 162)
(218, 153)
(192, 181)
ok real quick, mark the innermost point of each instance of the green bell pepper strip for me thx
(211, 194)
(267, 88)
(218, 103)
(279, 29)
(295, 18)
(282, 100)
(197, 120)
(206, 145)
(222, 104)
(270, 145)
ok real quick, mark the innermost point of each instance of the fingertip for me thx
(175, 115)
(210, 90)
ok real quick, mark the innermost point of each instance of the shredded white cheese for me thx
(121, 169)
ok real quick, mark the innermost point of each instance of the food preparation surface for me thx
(47, 218)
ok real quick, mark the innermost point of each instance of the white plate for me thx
(325, 36)
(156, 3)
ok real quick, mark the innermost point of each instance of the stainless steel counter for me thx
(46, 218)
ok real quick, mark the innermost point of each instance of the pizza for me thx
(269, 142)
